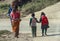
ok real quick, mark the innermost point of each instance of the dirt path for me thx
(53, 13)
(22, 37)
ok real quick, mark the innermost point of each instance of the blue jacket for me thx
(9, 11)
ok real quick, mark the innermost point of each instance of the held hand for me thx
(20, 19)
(38, 22)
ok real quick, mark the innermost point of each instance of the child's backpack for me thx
(33, 23)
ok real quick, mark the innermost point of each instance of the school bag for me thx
(33, 22)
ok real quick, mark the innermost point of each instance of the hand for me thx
(12, 20)
(20, 19)
(48, 26)
(38, 22)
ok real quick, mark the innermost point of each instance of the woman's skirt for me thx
(15, 26)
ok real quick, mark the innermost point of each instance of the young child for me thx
(33, 25)
(9, 11)
(44, 23)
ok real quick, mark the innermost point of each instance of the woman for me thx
(44, 23)
(15, 16)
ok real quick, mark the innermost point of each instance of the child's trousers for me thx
(34, 31)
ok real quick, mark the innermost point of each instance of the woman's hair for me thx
(15, 9)
(42, 13)
(33, 15)
(14, 3)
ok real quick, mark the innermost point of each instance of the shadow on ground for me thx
(50, 35)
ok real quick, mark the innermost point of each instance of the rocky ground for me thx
(10, 37)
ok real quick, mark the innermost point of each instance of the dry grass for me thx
(52, 12)
(6, 2)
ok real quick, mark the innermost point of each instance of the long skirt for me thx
(15, 26)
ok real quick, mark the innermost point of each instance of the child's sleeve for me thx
(30, 21)
(9, 11)
(40, 19)
(37, 20)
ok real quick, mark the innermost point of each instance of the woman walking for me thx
(15, 16)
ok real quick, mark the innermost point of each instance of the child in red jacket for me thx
(44, 23)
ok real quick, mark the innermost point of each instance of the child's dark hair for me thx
(42, 13)
(33, 15)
